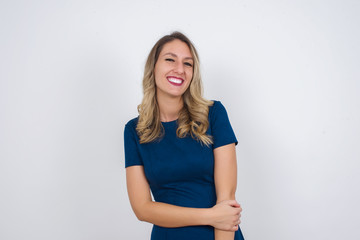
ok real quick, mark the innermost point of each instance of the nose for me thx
(179, 68)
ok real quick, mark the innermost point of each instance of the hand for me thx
(226, 215)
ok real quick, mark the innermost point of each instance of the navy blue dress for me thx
(180, 171)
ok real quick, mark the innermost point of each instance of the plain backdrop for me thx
(70, 78)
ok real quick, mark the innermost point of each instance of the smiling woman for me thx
(174, 66)
(181, 147)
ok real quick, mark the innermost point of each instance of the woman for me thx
(182, 148)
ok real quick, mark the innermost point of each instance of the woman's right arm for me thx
(222, 216)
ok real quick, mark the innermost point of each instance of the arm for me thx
(223, 216)
(225, 175)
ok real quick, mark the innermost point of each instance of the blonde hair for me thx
(193, 117)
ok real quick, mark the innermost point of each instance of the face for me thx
(173, 69)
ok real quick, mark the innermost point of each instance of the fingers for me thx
(237, 221)
(230, 213)
(234, 226)
(237, 212)
(233, 203)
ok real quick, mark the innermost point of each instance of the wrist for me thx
(207, 217)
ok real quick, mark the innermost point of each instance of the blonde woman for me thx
(181, 147)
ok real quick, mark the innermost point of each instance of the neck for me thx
(169, 108)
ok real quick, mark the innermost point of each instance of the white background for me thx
(287, 72)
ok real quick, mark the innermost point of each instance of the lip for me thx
(175, 83)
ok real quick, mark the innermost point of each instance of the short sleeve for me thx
(132, 155)
(221, 129)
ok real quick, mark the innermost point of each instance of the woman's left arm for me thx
(225, 175)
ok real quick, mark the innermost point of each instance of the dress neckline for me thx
(170, 122)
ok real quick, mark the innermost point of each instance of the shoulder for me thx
(130, 127)
(132, 123)
(216, 103)
(216, 108)
(220, 127)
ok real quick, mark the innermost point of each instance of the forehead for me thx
(177, 47)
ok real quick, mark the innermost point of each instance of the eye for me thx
(188, 64)
(169, 60)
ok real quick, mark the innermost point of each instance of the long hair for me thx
(193, 117)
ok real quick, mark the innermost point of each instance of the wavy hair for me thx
(193, 117)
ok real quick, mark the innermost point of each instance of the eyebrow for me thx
(174, 55)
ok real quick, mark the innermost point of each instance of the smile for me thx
(175, 81)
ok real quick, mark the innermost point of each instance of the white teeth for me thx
(175, 80)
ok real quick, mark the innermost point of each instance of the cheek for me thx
(190, 74)
(160, 70)
(189, 82)
(157, 74)
(157, 81)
